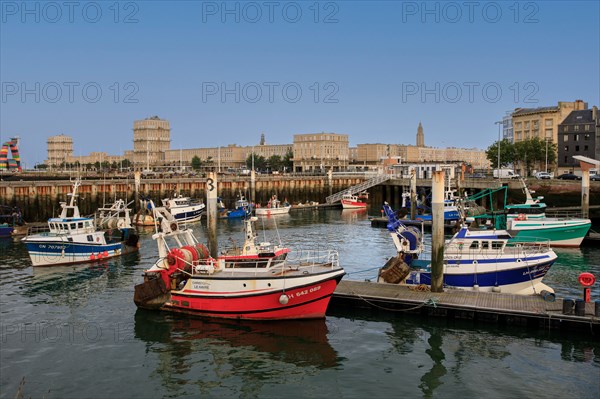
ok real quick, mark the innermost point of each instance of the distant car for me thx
(569, 176)
(478, 176)
(595, 177)
(543, 175)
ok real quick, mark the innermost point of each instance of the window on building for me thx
(585, 148)
(576, 148)
(518, 125)
(548, 122)
(527, 125)
(576, 128)
(587, 128)
(566, 148)
(566, 159)
(575, 137)
(565, 129)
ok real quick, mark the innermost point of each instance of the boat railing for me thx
(38, 229)
(564, 214)
(310, 258)
(529, 245)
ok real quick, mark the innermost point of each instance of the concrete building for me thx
(230, 156)
(420, 136)
(319, 152)
(151, 138)
(579, 134)
(94, 157)
(507, 127)
(60, 149)
(542, 122)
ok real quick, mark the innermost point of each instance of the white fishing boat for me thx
(273, 207)
(184, 209)
(485, 260)
(75, 239)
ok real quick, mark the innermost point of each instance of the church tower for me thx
(262, 139)
(420, 136)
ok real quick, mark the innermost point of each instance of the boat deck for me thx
(531, 311)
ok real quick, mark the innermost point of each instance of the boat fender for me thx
(522, 216)
(92, 257)
(105, 254)
(174, 226)
(284, 299)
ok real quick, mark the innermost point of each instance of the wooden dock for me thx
(529, 311)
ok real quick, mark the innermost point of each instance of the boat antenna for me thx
(277, 231)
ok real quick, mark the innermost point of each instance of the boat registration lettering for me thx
(44, 246)
(200, 285)
(304, 292)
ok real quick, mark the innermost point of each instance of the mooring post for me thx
(211, 213)
(585, 193)
(330, 181)
(253, 187)
(413, 194)
(137, 183)
(437, 232)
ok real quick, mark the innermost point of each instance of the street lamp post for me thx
(499, 123)
(547, 154)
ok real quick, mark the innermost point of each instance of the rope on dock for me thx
(430, 301)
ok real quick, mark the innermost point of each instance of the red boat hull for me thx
(305, 302)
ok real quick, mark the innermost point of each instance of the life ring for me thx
(586, 279)
(522, 216)
(174, 226)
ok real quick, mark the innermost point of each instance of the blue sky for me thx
(372, 70)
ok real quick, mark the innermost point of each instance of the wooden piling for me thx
(211, 213)
(585, 193)
(413, 194)
(437, 232)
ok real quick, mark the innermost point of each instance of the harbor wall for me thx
(40, 199)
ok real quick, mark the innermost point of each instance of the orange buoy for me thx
(92, 257)
(105, 254)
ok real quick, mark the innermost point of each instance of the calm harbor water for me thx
(74, 332)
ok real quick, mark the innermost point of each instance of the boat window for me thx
(496, 244)
(90, 238)
(474, 245)
(70, 239)
(80, 225)
(70, 212)
(485, 244)
(73, 226)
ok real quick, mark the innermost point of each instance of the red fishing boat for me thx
(257, 282)
(350, 201)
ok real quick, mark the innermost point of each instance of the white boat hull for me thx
(272, 211)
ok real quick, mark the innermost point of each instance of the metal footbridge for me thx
(358, 188)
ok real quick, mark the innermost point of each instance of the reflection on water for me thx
(455, 358)
(255, 352)
(73, 329)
